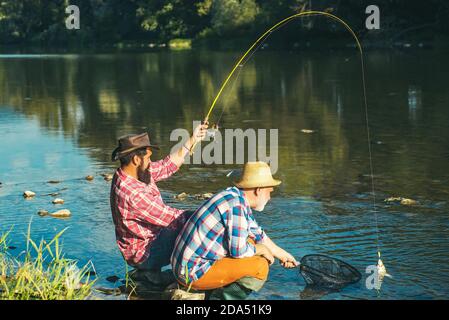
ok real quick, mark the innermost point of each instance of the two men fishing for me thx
(219, 248)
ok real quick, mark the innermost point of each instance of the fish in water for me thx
(381, 270)
(64, 213)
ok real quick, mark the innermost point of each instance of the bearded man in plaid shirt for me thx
(221, 249)
(145, 227)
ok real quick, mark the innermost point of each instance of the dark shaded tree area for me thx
(114, 21)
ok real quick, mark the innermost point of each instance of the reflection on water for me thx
(414, 101)
(314, 293)
(60, 117)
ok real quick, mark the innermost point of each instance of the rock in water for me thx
(393, 199)
(204, 196)
(53, 181)
(42, 213)
(28, 194)
(408, 202)
(108, 177)
(403, 201)
(58, 201)
(89, 178)
(178, 294)
(181, 196)
(64, 213)
(307, 131)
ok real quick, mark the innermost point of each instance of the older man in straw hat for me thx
(145, 227)
(222, 247)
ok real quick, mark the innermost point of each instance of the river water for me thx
(60, 116)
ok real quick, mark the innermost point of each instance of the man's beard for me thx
(143, 174)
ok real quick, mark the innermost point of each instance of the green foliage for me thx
(231, 15)
(180, 44)
(117, 21)
(46, 276)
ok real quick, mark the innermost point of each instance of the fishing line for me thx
(240, 67)
(253, 48)
(225, 102)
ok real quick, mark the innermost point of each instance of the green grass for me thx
(43, 274)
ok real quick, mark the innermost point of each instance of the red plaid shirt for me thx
(138, 211)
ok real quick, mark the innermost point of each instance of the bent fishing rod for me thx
(253, 48)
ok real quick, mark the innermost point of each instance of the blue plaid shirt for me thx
(219, 228)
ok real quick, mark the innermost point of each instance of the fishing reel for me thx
(212, 131)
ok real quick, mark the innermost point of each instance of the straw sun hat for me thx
(256, 175)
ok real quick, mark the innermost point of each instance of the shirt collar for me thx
(240, 192)
(124, 176)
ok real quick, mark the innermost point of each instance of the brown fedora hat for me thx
(131, 142)
(256, 175)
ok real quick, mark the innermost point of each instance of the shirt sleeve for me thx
(162, 169)
(238, 233)
(255, 231)
(153, 210)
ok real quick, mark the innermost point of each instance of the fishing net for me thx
(326, 272)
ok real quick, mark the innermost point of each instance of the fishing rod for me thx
(253, 48)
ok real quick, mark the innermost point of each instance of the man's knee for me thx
(262, 268)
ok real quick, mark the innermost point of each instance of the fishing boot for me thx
(239, 290)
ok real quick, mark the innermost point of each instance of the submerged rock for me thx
(109, 291)
(28, 194)
(89, 178)
(58, 201)
(112, 279)
(107, 176)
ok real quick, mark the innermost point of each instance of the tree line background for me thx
(42, 22)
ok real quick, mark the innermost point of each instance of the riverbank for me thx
(440, 42)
